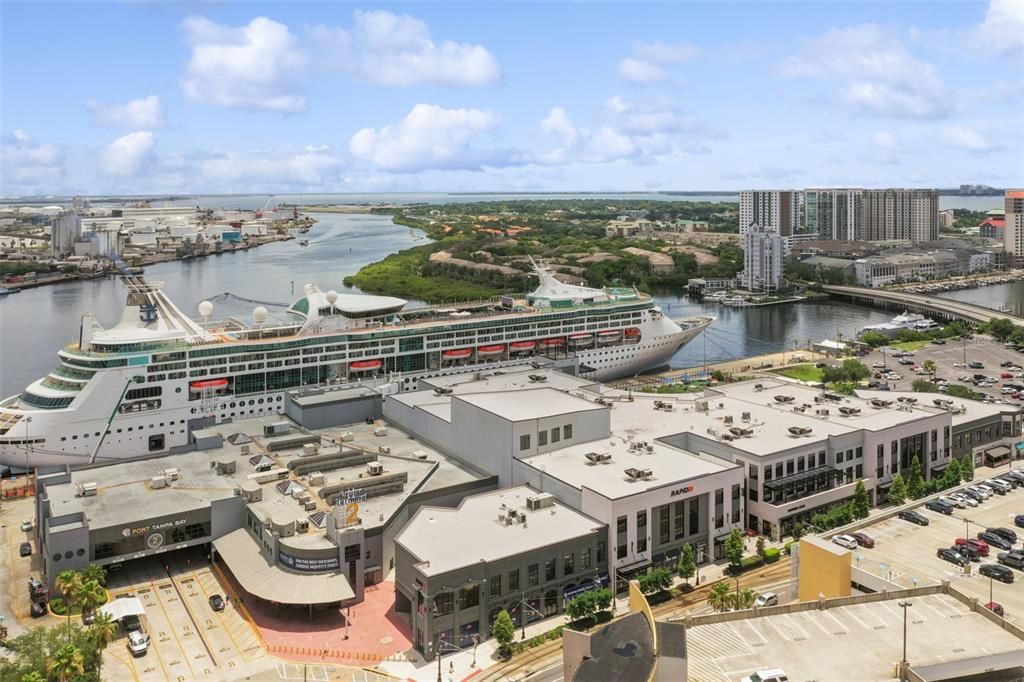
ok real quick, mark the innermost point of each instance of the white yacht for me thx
(141, 387)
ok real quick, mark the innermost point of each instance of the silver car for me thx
(847, 541)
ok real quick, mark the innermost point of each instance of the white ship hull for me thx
(158, 415)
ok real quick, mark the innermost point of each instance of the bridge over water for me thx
(942, 308)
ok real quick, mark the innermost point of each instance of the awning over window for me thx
(997, 453)
(602, 581)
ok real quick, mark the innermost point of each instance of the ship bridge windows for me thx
(72, 373)
(169, 357)
(57, 384)
(44, 403)
(94, 364)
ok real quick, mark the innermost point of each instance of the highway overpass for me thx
(941, 308)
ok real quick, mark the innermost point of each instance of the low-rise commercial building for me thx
(660, 263)
(528, 555)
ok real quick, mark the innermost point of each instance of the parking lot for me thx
(904, 553)
(189, 640)
(950, 359)
(856, 642)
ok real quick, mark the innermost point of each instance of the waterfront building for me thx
(777, 210)
(65, 228)
(530, 555)
(899, 215)
(833, 214)
(763, 250)
(1013, 230)
(916, 266)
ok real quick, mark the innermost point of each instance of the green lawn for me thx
(910, 345)
(805, 372)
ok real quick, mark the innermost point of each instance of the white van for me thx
(138, 643)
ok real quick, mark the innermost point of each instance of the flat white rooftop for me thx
(532, 403)
(445, 539)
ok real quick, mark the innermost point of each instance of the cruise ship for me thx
(139, 388)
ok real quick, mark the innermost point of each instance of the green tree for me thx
(1001, 328)
(94, 572)
(89, 594)
(602, 598)
(655, 580)
(33, 676)
(951, 476)
(874, 339)
(102, 632)
(898, 490)
(734, 550)
(967, 467)
(68, 582)
(687, 566)
(504, 630)
(718, 596)
(759, 547)
(861, 505)
(66, 663)
(744, 599)
(581, 607)
(798, 530)
(929, 366)
(915, 484)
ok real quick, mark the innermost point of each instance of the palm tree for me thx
(66, 663)
(89, 594)
(97, 573)
(68, 582)
(102, 631)
(718, 597)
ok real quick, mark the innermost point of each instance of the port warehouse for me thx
(325, 494)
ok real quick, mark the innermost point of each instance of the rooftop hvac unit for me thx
(907, 399)
(310, 449)
(800, 408)
(800, 430)
(384, 450)
(849, 410)
(596, 457)
(245, 449)
(758, 387)
(375, 468)
(317, 478)
(380, 431)
(171, 474)
(302, 525)
(821, 412)
(942, 402)
(237, 492)
(635, 474)
(277, 429)
(541, 501)
(701, 405)
(158, 482)
(728, 419)
(740, 431)
(784, 398)
(346, 436)
(728, 437)
(442, 390)
(745, 417)
(420, 454)
(87, 489)
(879, 402)
(835, 397)
(538, 378)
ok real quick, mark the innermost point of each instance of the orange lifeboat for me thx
(520, 346)
(208, 383)
(551, 343)
(490, 350)
(457, 353)
(365, 365)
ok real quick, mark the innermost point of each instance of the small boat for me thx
(365, 365)
(580, 340)
(632, 332)
(215, 384)
(490, 350)
(303, 242)
(457, 353)
(4, 291)
(521, 346)
(551, 343)
(609, 336)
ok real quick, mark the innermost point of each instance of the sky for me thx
(149, 97)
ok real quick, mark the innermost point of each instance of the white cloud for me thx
(29, 167)
(647, 59)
(428, 137)
(397, 49)
(1002, 30)
(129, 155)
(145, 113)
(878, 75)
(255, 67)
(312, 166)
(769, 174)
(969, 139)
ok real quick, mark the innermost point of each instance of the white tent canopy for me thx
(126, 606)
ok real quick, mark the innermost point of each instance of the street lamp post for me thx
(903, 663)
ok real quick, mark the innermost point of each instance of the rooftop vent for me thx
(835, 397)
(745, 417)
(86, 489)
(596, 457)
(758, 387)
(740, 431)
(784, 398)
(727, 419)
(800, 430)
(541, 501)
(821, 412)
(847, 410)
(374, 468)
(384, 449)
(636, 474)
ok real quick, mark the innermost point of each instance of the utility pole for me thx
(903, 663)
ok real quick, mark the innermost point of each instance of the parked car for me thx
(996, 608)
(767, 599)
(863, 539)
(1007, 480)
(845, 541)
(216, 602)
(972, 495)
(914, 517)
(1018, 520)
(953, 502)
(985, 491)
(26, 525)
(938, 342)
(972, 553)
(131, 623)
(996, 572)
(25, 549)
(769, 675)
(1004, 533)
(952, 556)
(905, 361)
(138, 643)
(1014, 559)
(999, 487)
(940, 507)
(1015, 475)
(38, 609)
(995, 540)
(979, 545)
(964, 500)
(1006, 375)
(879, 365)
(976, 365)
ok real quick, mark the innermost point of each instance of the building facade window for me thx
(549, 570)
(524, 441)
(532, 575)
(569, 564)
(494, 584)
(567, 431)
(641, 531)
(584, 560)
(513, 580)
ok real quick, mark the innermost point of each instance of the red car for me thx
(979, 545)
(862, 539)
(1006, 375)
